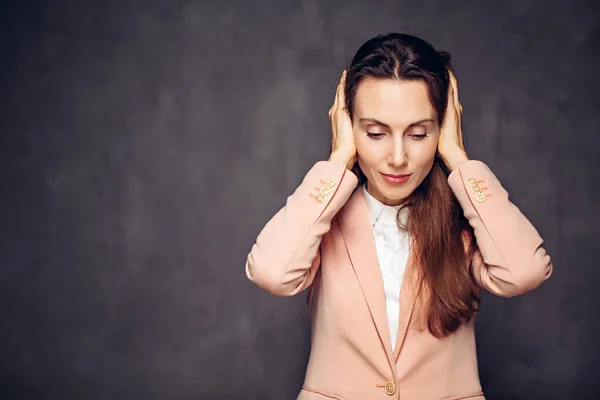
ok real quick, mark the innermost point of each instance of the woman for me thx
(395, 235)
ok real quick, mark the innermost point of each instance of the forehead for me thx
(395, 102)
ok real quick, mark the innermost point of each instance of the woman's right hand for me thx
(343, 149)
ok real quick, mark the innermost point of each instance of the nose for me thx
(397, 156)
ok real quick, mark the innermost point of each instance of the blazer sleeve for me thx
(285, 258)
(510, 259)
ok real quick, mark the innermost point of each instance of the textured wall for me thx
(145, 143)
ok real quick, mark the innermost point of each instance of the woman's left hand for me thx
(450, 146)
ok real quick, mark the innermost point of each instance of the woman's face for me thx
(396, 134)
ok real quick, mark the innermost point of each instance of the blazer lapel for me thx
(357, 232)
(409, 292)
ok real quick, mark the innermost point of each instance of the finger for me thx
(335, 100)
(454, 84)
(453, 81)
(457, 105)
(341, 99)
(450, 97)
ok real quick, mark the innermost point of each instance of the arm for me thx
(285, 257)
(510, 259)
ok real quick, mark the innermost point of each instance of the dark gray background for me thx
(145, 143)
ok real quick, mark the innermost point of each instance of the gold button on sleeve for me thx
(472, 181)
(480, 197)
(476, 189)
(320, 198)
(330, 183)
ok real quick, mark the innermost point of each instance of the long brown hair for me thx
(443, 240)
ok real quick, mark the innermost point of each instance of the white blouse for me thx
(393, 246)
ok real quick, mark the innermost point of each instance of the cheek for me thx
(369, 152)
(423, 153)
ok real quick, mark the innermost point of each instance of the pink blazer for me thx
(322, 238)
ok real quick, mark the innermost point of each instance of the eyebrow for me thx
(373, 120)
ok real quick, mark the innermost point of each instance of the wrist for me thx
(342, 157)
(454, 158)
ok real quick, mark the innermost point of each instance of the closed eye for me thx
(375, 135)
(419, 137)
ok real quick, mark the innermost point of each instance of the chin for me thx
(395, 195)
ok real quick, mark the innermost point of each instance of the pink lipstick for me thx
(396, 179)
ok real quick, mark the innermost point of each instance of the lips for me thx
(396, 179)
